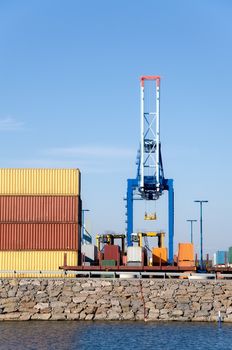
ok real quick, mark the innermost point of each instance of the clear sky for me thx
(69, 92)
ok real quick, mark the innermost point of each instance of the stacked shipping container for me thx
(40, 218)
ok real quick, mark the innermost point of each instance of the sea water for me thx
(114, 335)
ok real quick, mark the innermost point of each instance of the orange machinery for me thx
(186, 255)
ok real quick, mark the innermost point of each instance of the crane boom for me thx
(150, 182)
(150, 167)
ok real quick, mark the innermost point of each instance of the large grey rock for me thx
(77, 289)
(41, 306)
(44, 317)
(82, 315)
(128, 315)
(177, 312)
(100, 316)
(89, 317)
(55, 292)
(202, 313)
(10, 316)
(58, 317)
(206, 306)
(25, 316)
(113, 316)
(73, 317)
(79, 299)
(90, 310)
(10, 308)
(12, 292)
(58, 304)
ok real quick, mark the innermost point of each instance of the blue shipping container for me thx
(221, 257)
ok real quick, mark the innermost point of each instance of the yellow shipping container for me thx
(18, 261)
(40, 182)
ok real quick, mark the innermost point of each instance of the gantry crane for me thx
(150, 182)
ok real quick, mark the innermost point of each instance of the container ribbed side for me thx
(39, 181)
(49, 236)
(40, 209)
(35, 263)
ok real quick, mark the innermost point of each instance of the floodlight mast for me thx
(200, 201)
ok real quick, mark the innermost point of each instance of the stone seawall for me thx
(98, 299)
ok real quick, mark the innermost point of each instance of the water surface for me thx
(114, 335)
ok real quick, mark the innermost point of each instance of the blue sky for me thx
(69, 91)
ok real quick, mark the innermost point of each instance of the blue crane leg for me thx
(131, 185)
(170, 219)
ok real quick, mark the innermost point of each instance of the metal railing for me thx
(118, 274)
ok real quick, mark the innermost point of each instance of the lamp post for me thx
(83, 224)
(201, 233)
(191, 221)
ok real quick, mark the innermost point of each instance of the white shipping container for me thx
(134, 254)
(214, 259)
(89, 252)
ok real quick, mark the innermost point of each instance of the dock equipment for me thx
(139, 237)
(150, 182)
(151, 216)
(109, 239)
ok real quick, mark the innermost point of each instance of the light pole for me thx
(191, 221)
(201, 233)
(83, 224)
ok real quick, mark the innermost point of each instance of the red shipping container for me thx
(31, 236)
(40, 209)
(112, 252)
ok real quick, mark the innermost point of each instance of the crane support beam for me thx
(170, 219)
(132, 184)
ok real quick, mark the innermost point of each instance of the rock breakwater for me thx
(98, 299)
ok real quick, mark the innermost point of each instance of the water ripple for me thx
(78, 335)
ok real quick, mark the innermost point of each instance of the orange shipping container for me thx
(186, 252)
(159, 253)
(186, 263)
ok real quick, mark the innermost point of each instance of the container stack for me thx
(40, 218)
